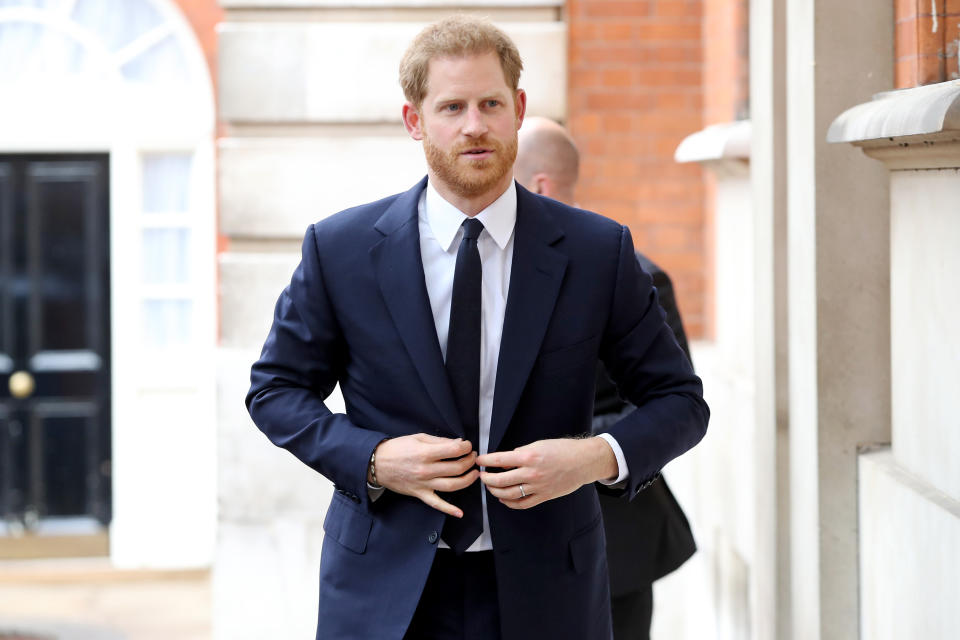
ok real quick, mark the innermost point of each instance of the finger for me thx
(523, 503)
(511, 493)
(504, 478)
(431, 499)
(432, 439)
(451, 468)
(455, 483)
(426, 438)
(446, 449)
(503, 459)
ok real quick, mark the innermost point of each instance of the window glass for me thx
(167, 323)
(117, 22)
(166, 182)
(166, 256)
(166, 241)
(160, 64)
(40, 4)
(30, 51)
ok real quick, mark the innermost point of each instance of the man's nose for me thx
(474, 124)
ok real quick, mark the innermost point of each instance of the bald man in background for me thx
(649, 536)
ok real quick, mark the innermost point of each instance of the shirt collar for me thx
(445, 219)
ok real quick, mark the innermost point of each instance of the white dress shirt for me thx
(440, 234)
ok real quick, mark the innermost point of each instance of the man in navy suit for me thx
(649, 536)
(463, 320)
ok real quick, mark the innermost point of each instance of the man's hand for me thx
(547, 469)
(419, 465)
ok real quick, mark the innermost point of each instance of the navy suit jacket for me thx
(649, 536)
(357, 312)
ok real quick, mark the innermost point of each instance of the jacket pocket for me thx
(586, 547)
(564, 358)
(347, 524)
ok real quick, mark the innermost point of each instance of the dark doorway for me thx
(54, 339)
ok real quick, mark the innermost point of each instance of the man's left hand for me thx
(546, 469)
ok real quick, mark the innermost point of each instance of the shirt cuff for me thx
(623, 471)
(374, 492)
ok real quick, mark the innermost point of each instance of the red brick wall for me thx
(635, 91)
(927, 39)
(203, 16)
(726, 96)
(726, 63)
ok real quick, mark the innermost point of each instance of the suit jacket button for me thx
(433, 537)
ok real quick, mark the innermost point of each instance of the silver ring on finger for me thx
(522, 494)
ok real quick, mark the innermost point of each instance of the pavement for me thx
(88, 599)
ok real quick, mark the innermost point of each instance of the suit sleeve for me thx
(669, 303)
(301, 362)
(607, 398)
(652, 372)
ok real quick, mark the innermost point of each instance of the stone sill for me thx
(882, 459)
(727, 141)
(916, 128)
(724, 148)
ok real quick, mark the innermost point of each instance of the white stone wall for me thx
(310, 106)
(346, 72)
(924, 316)
(909, 554)
(716, 481)
(300, 180)
(910, 493)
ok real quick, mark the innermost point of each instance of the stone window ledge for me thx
(725, 147)
(916, 128)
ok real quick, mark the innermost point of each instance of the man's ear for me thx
(412, 121)
(521, 101)
(541, 185)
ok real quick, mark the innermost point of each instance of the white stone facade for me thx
(909, 496)
(825, 495)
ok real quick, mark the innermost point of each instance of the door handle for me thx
(22, 384)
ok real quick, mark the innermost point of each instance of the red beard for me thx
(470, 178)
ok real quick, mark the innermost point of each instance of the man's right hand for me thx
(419, 465)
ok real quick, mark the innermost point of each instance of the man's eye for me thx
(452, 108)
(493, 103)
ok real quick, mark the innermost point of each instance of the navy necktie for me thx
(463, 369)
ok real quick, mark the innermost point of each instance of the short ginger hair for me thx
(452, 37)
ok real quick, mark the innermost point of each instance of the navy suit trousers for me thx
(459, 601)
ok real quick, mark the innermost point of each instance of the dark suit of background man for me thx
(464, 320)
(647, 537)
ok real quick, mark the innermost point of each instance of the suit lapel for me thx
(399, 269)
(535, 279)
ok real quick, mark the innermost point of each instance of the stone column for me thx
(768, 112)
(838, 54)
